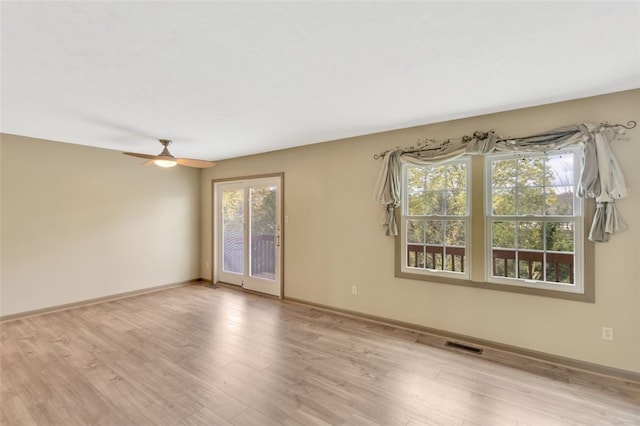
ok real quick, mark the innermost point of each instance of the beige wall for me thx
(80, 223)
(333, 240)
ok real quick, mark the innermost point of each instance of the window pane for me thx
(530, 267)
(455, 259)
(457, 203)
(436, 203)
(560, 267)
(455, 233)
(503, 234)
(559, 200)
(417, 203)
(415, 256)
(503, 173)
(436, 177)
(416, 178)
(559, 170)
(456, 177)
(434, 257)
(530, 201)
(504, 202)
(531, 171)
(560, 236)
(504, 263)
(435, 232)
(415, 231)
(530, 236)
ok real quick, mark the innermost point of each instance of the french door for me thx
(248, 234)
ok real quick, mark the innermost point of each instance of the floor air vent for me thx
(465, 348)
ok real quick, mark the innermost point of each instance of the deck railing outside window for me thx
(531, 264)
(263, 259)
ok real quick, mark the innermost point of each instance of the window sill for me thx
(587, 296)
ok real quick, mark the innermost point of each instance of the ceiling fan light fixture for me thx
(165, 162)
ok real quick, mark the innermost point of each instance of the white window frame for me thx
(577, 218)
(467, 219)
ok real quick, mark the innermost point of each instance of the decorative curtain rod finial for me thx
(631, 124)
(380, 155)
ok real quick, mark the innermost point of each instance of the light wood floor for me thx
(199, 356)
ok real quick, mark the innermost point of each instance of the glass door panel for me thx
(263, 232)
(232, 230)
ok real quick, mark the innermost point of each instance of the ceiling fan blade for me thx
(189, 162)
(135, 154)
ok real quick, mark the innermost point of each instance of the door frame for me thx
(214, 224)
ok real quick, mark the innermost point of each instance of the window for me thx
(435, 222)
(508, 222)
(534, 220)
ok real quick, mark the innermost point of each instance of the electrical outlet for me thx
(207, 264)
(354, 290)
(607, 333)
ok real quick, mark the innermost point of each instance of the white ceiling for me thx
(225, 79)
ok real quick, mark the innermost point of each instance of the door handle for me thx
(277, 240)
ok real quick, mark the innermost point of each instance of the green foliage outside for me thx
(232, 206)
(263, 211)
(262, 208)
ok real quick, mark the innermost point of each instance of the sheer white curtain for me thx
(600, 177)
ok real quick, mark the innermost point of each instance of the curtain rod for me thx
(421, 146)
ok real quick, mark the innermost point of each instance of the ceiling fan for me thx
(165, 159)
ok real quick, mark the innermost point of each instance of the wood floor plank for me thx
(14, 408)
(251, 417)
(204, 416)
(193, 355)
